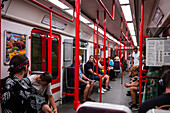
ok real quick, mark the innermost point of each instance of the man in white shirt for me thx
(135, 57)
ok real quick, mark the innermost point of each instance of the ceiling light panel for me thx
(134, 40)
(132, 32)
(69, 11)
(84, 20)
(124, 1)
(131, 26)
(59, 4)
(101, 31)
(127, 12)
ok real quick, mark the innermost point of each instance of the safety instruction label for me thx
(157, 52)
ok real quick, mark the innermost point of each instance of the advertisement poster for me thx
(15, 45)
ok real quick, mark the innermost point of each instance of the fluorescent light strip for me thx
(124, 1)
(131, 26)
(132, 32)
(134, 40)
(101, 31)
(127, 12)
(69, 11)
(59, 4)
(84, 20)
(110, 37)
(92, 26)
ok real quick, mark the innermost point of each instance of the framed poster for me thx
(157, 16)
(15, 44)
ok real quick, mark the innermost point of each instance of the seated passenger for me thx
(160, 101)
(123, 61)
(110, 71)
(117, 65)
(134, 86)
(15, 96)
(89, 72)
(111, 63)
(42, 85)
(85, 83)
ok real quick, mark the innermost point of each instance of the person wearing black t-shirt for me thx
(159, 101)
(88, 67)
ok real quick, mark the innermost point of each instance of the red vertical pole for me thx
(97, 40)
(120, 48)
(121, 28)
(113, 9)
(77, 39)
(97, 53)
(120, 51)
(93, 48)
(108, 49)
(124, 52)
(140, 49)
(104, 49)
(116, 49)
(50, 47)
(108, 54)
(0, 42)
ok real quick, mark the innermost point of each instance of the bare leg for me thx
(107, 80)
(133, 94)
(86, 91)
(91, 88)
(46, 108)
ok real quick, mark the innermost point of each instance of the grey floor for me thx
(116, 96)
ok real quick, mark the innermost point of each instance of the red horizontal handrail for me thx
(145, 36)
(113, 7)
(49, 9)
(150, 77)
(68, 67)
(68, 94)
(144, 70)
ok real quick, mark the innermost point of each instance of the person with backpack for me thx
(41, 83)
(15, 96)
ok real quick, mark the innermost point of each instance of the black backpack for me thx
(40, 100)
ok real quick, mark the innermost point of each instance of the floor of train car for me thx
(116, 96)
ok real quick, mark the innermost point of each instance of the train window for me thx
(55, 58)
(36, 56)
(39, 56)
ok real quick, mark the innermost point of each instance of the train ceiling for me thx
(89, 10)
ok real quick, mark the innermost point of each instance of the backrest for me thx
(95, 107)
(70, 76)
(116, 65)
(157, 111)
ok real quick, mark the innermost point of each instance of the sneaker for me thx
(130, 103)
(89, 99)
(128, 94)
(101, 91)
(108, 89)
(134, 107)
